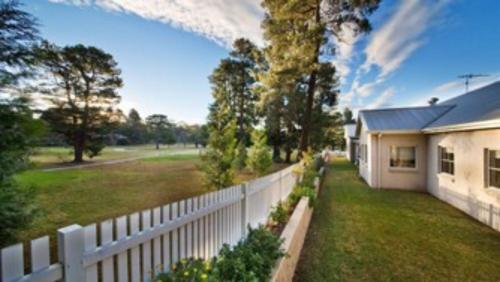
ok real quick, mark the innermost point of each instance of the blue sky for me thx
(168, 48)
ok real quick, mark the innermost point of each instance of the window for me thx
(446, 160)
(403, 157)
(493, 168)
(364, 152)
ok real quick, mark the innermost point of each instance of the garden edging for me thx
(293, 237)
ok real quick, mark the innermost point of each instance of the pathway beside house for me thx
(359, 233)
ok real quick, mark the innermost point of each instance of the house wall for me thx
(348, 149)
(365, 166)
(401, 178)
(466, 188)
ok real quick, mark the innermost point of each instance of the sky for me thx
(167, 49)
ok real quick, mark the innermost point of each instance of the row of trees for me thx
(289, 89)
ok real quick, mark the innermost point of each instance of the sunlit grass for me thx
(362, 234)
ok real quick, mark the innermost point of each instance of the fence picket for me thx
(12, 263)
(135, 261)
(157, 243)
(175, 234)
(90, 242)
(40, 256)
(122, 263)
(189, 229)
(146, 247)
(166, 240)
(196, 223)
(106, 238)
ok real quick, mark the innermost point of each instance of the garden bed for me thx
(293, 236)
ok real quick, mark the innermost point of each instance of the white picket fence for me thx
(138, 246)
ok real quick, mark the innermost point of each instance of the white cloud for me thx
(394, 42)
(381, 100)
(219, 20)
(344, 50)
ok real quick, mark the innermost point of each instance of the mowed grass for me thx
(45, 157)
(362, 234)
(90, 195)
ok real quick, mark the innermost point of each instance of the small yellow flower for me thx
(204, 276)
(186, 273)
(174, 266)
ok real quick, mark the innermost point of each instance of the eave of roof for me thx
(488, 124)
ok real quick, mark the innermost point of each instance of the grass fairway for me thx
(87, 195)
(361, 234)
(46, 157)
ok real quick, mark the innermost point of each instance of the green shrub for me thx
(240, 156)
(251, 259)
(189, 270)
(259, 156)
(279, 214)
(300, 191)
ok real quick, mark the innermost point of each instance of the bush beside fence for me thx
(138, 246)
(294, 235)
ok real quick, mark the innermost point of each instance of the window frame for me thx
(415, 149)
(488, 168)
(363, 153)
(447, 160)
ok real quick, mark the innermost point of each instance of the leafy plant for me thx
(300, 191)
(259, 156)
(279, 214)
(251, 259)
(189, 270)
(240, 156)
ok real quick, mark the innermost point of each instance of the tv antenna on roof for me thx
(468, 77)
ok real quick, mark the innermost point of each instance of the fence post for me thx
(281, 185)
(71, 246)
(244, 209)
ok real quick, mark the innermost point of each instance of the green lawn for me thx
(88, 195)
(45, 157)
(361, 234)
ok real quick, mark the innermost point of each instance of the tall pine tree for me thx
(299, 34)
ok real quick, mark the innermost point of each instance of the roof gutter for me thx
(489, 124)
(416, 131)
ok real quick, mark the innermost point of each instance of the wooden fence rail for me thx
(138, 246)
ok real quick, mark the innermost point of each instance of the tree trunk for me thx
(288, 157)
(311, 88)
(157, 145)
(276, 153)
(79, 147)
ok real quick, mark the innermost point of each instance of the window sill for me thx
(403, 169)
(492, 189)
(447, 175)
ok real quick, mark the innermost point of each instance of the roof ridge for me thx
(407, 108)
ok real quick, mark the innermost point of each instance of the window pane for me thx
(495, 178)
(403, 157)
(495, 159)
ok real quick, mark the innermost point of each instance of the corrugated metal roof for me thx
(479, 105)
(401, 119)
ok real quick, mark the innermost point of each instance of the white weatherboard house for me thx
(451, 150)
(351, 142)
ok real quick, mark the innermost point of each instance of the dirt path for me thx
(120, 161)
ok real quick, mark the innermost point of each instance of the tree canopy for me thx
(80, 83)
